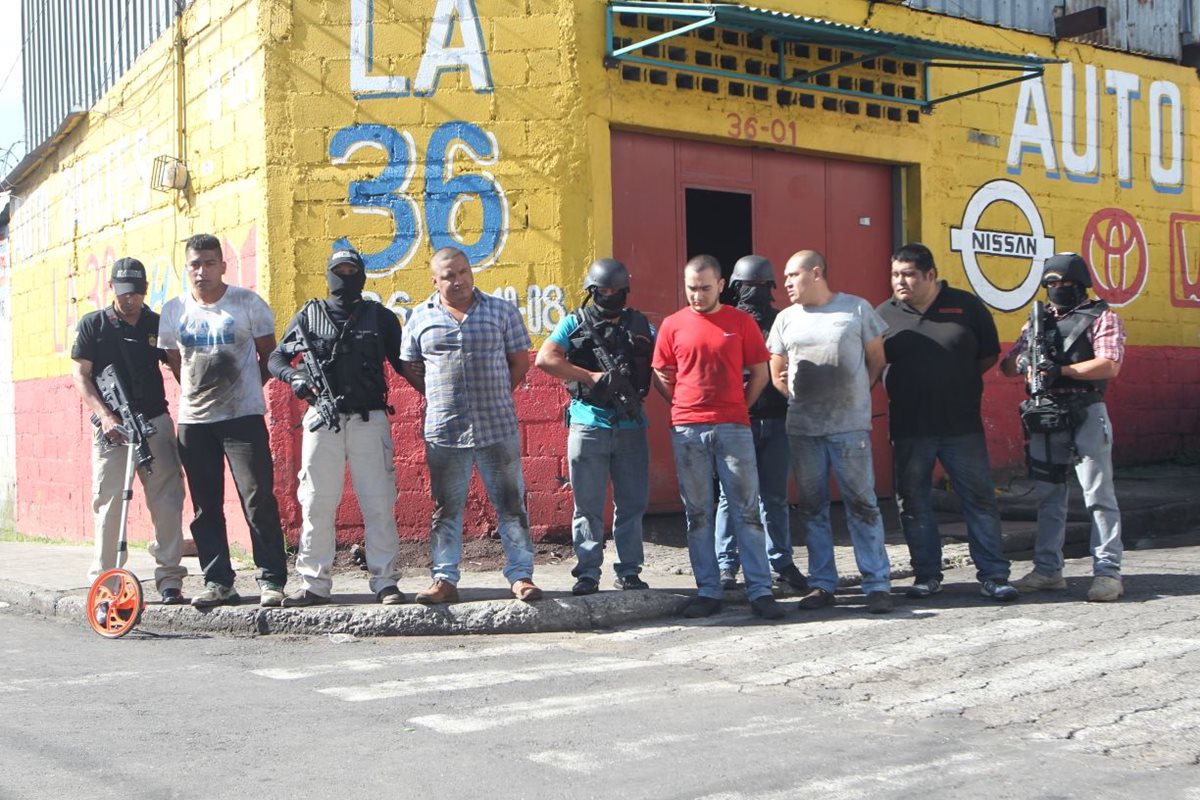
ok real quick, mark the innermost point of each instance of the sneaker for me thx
(270, 596)
(1036, 582)
(525, 590)
(817, 598)
(922, 589)
(440, 591)
(766, 607)
(1106, 589)
(215, 594)
(626, 582)
(303, 597)
(391, 596)
(999, 590)
(879, 602)
(585, 586)
(793, 577)
(728, 579)
(701, 607)
(172, 597)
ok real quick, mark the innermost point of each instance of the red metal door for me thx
(840, 208)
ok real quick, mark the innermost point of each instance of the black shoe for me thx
(172, 597)
(303, 597)
(728, 579)
(625, 582)
(766, 607)
(701, 607)
(585, 586)
(390, 596)
(817, 598)
(879, 602)
(793, 577)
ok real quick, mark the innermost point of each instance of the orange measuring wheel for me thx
(114, 604)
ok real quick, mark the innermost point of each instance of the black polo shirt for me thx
(99, 337)
(933, 382)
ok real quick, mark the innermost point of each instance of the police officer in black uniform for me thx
(603, 352)
(751, 284)
(350, 339)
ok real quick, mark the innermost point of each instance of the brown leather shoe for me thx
(525, 590)
(441, 591)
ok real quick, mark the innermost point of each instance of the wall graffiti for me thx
(1032, 130)
(445, 195)
(541, 306)
(1114, 246)
(1185, 260)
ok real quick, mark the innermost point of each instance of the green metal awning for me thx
(675, 19)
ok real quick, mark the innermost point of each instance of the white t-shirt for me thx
(827, 365)
(219, 370)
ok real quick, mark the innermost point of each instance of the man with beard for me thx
(607, 437)
(350, 339)
(753, 280)
(1089, 341)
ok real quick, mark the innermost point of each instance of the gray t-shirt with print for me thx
(827, 366)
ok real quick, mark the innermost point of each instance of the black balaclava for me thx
(754, 299)
(1064, 298)
(610, 305)
(345, 290)
(1066, 267)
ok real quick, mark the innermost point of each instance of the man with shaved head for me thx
(826, 354)
(467, 351)
(699, 358)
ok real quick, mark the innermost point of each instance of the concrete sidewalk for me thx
(49, 579)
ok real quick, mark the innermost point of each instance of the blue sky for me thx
(12, 125)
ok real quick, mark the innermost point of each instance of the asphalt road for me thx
(954, 697)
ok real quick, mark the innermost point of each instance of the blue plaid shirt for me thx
(468, 399)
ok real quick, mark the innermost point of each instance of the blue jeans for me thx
(1093, 445)
(594, 456)
(849, 454)
(773, 460)
(965, 459)
(449, 478)
(728, 451)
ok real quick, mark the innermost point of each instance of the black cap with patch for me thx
(128, 276)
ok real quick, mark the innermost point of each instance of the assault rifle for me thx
(1042, 412)
(323, 400)
(134, 425)
(626, 400)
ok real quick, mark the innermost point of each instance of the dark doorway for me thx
(719, 224)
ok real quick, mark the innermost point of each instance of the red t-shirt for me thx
(709, 352)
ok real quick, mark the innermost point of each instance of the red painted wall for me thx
(1155, 406)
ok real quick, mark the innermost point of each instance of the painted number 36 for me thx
(388, 193)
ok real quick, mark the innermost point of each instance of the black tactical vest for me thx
(627, 338)
(1076, 347)
(352, 356)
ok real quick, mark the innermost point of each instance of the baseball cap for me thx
(128, 275)
(346, 256)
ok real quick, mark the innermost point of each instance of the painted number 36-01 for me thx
(389, 192)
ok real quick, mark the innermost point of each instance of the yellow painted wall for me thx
(954, 152)
(502, 123)
(91, 202)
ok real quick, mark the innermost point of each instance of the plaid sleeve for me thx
(1108, 336)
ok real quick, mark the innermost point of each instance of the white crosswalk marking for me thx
(478, 679)
(547, 707)
(382, 662)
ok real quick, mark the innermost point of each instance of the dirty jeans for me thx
(244, 442)
(163, 493)
(728, 451)
(849, 455)
(367, 446)
(1093, 443)
(596, 455)
(965, 460)
(773, 461)
(450, 477)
